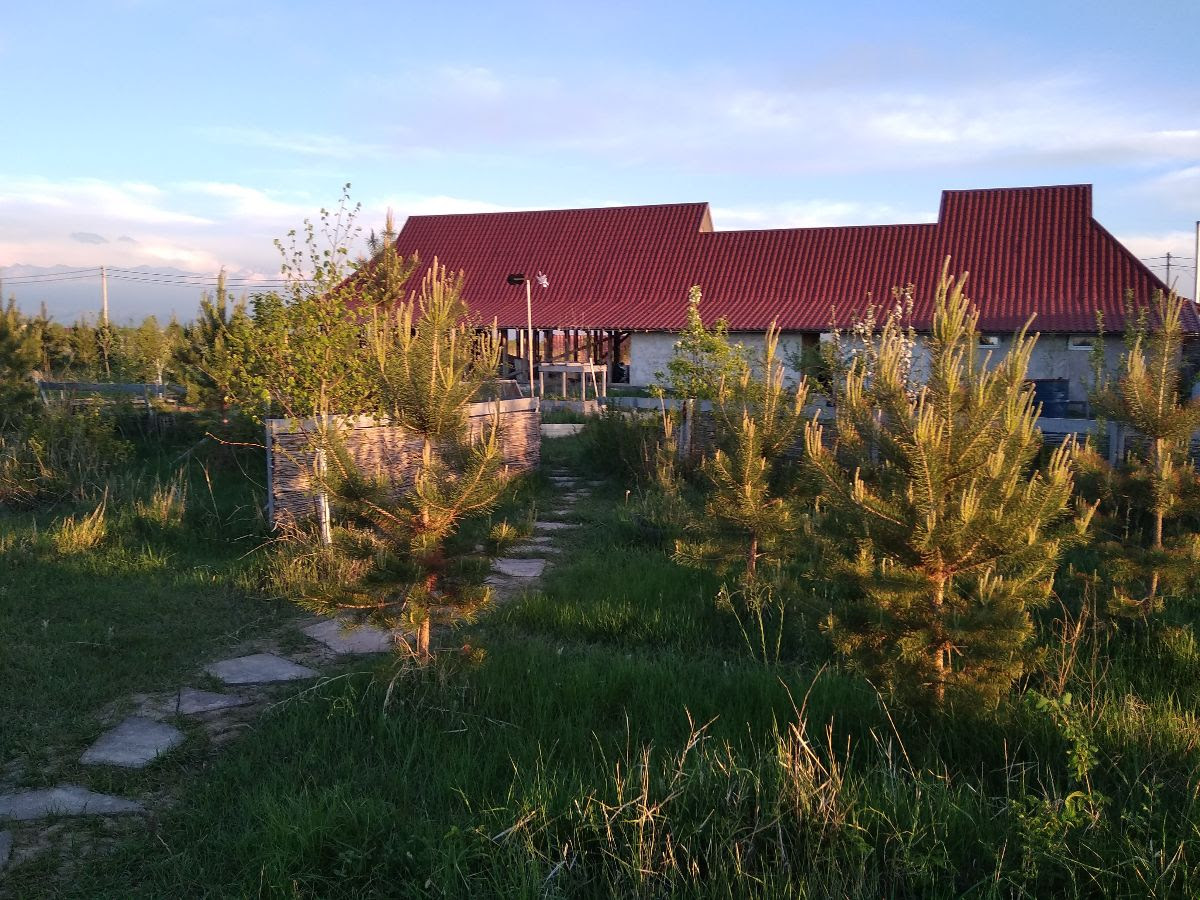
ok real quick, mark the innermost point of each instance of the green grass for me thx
(92, 614)
(616, 739)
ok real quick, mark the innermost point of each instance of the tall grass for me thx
(83, 533)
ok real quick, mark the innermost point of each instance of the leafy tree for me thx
(429, 365)
(950, 533)
(302, 352)
(1155, 482)
(148, 350)
(702, 357)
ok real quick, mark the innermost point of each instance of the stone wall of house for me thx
(649, 352)
(1052, 356)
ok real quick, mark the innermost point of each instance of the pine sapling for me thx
(949, 531)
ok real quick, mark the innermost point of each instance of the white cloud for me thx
(1178, 189)
(124, 202)
(247, 202)
(814, 214)
(332, 146)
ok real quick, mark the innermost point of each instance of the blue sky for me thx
(165, 134)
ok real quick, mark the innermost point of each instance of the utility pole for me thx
(1196, 265)
(1168, 270)
(104, 295)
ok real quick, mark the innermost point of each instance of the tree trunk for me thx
(1158, 522)
(939, 648)
(423, 630)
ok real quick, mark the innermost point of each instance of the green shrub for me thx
(57, 455)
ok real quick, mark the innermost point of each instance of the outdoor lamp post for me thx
(518, 278)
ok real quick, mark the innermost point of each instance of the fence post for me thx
(323, 526)
(270, 436)
(1116, 443)
(687, 422)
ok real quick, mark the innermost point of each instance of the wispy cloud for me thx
(726, 122)
(313, 144)
(241, 201)
(116, 201)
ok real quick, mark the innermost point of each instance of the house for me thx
(619, 276)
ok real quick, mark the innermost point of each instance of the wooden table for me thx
(580, 369)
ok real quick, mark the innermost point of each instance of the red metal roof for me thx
(1028, 250)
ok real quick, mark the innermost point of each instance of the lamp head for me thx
(516, 278)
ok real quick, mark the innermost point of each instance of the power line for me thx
(72, 273)
(13, 282)
(203, 276)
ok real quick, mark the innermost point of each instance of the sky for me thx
(189, 136)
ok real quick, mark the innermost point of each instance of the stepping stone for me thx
(535, 548)
(362, 639)
(191, 702)
(540, 541)
(133, 744)
(64, 800)
(519, 568)
(5, 848)
(552, 526)
(258, 668)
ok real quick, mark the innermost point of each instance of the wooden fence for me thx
(382, 449)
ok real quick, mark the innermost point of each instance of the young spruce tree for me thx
(952, 533)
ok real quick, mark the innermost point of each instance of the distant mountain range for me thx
(133, 293)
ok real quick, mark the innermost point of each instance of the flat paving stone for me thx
(519, 568)
(534, 548)
(553, 526)
(5, 848)
(362, 639)
(64, 800)
(191, 702)
(133, 744)
(258, 668)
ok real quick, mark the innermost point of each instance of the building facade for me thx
(619, 276)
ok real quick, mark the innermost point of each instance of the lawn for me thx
(608, 734)
(89, 619)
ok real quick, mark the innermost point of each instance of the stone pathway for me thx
(133, 744)
(139, 740)
(339, 639)
(64, 800)
(259, 668)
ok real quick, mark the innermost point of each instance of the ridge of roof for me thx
(698, 206)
